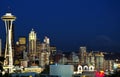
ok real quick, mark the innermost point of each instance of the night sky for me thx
(68, 23)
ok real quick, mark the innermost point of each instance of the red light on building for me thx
(99, 74)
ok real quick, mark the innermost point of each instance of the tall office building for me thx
(91, 59)
(38, 48)
(109, 65)
(47, 43)
(32, 44)
(47, 40)
(20, 47)
(99, 61)
(53, 51)
(43, 56)
(83, 55)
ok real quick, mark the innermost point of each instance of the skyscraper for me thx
(46, 40)
(83, 55)
(47, 43)
(20, 48)
(99, 61)
(32, 44)
(91, 59)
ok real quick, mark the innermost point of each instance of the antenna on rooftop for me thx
(9, 9)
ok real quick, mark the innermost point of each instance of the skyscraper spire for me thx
(9, 9)
(8, 18)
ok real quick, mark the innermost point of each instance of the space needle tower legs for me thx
(8, 18)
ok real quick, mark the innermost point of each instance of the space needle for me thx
(8, 18)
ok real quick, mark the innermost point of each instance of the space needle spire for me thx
(8, 18)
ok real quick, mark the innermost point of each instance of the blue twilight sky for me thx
(68, 23)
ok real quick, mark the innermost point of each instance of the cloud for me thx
(105, 41)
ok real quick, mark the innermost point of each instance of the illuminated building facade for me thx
(75, 58)
(22, 40)
(20, 50)
(63, 60)
(83, 55)
(47, 44)
(8, 18)
(32, 45)
(33, 69)
(38, 46)
(91, 59)
(39, 53)
(53, 50)
(44, 56)
(99, 61)
(109, 65)
(45, 52)
(23, 46)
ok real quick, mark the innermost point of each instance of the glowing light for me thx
(99, 74)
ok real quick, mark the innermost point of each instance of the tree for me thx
(46, 70)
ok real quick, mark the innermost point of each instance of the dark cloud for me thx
(104, 43)
(103, 40)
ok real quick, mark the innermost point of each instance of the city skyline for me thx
(69, 25)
